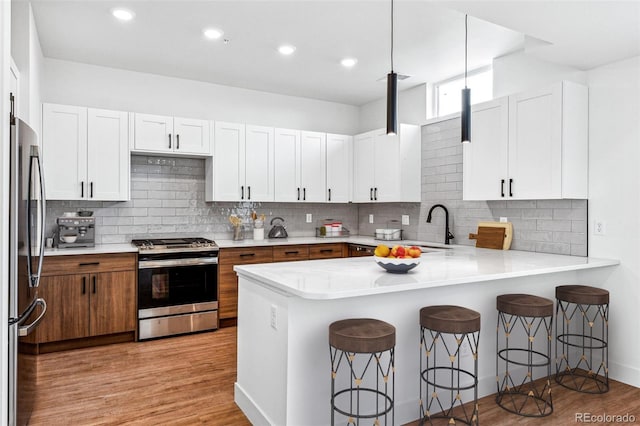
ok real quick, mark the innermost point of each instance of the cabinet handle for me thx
(247, 254)
(304, 194)
(84, 285)
(510, 187)
(326, 251)
(298, 194)
(91, 190)
(502, 187)
(375, 194)
(94, 284)
(89, 264)
(169, 140)
(329, 194)
(371, 194)
(242, 192)
(249, 192)
(82, 189)
(292, 252)
(177, 141)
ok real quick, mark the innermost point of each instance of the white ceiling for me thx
(166, 38)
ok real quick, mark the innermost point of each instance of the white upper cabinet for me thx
(339, 168)
(86, 153)
(485, 158)
(313, 166)
(259, 163)
(300, 166)
(286, 168)
(242, 165)
(387, 168)
(161, 134)
(542, 152)
(108, 163)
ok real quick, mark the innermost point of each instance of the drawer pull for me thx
(89, 264)
(326, 251)
(291, 252)
(247, 254)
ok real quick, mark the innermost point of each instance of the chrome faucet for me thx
(448, 236)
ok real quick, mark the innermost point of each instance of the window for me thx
(447, 94)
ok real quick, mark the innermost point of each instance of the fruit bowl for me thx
(397, 266)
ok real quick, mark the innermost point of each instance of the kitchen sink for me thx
(427, 247)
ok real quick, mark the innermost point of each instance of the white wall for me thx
(520, 71)
(412, 109)
(95, 86)
(614, 197)
(5, 55)
(27, 54)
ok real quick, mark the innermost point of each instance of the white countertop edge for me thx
(98, 249)
(593, 263)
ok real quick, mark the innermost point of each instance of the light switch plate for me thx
(309, 217)
(405, 219)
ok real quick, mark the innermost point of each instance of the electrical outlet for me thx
(599, 227)
(309, 217)
(370, 218)
(503, 219)
(274, 317)
(405, 219)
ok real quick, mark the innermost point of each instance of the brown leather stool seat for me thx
(523, 349)
(364, 347)
(448, 333)
(362, 335)
(524, 305)
(582, 294)
(582, 334)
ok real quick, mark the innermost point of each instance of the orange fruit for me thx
(382, 251)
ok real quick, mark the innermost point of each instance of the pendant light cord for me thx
(465, 51)
(392, 36)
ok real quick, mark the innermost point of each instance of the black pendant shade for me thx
(392, 103)
(465, 116)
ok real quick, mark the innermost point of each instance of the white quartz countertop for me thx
(98, 249)
(361, 276)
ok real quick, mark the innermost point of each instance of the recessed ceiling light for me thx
(213, 33)
(348, 62)
(123, 14)
(286, 49)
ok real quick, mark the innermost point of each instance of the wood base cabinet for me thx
(87, 297)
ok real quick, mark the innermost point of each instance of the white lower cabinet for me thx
(532, 145)
(242, 165)
(159, 134)
(86, 153)
(387, 168)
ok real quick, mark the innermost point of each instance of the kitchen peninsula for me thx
(285, 310)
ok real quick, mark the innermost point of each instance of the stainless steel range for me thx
(177, 286)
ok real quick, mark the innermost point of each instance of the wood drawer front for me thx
(245, 256)
(287, 253)
(89, 263)
(325, 251)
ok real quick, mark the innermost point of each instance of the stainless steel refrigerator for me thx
(26, 249)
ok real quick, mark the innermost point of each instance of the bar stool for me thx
(454, 332)
(359, 346)
(582, 333)
(522, 318)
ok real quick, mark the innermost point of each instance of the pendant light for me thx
(392, 91)
(465, 116)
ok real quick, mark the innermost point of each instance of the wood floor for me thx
(185, 380)
(189, 380)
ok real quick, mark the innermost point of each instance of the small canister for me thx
(258, 230)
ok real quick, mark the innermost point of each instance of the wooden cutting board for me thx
(489, 237)
(508, 231)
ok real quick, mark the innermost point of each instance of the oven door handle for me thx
(165, 263)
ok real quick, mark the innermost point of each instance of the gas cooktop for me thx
(163, 245)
